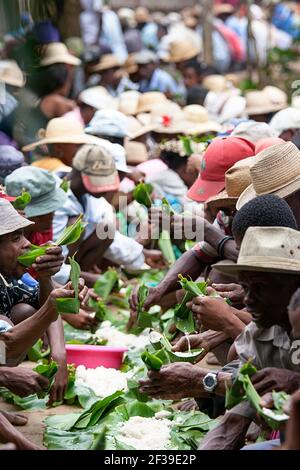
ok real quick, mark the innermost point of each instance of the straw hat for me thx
(137, 129)
(57, 53)
(267, 249)
(268, 100)
(98, 97)
(150, 99)
(130, 65)
(198, 121)
(167, 117)
(180, 51)
(237, 179)
(276, 171)
(11, 74)
(136, 152)
(215, 83)
(129, 102)
(11, 220)
(108, 61)
(65, 130)
(288, 118)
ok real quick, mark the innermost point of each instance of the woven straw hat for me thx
(65, 130)
(98, 97)
(237, 179)
(148, 100)
(128, 102)
(267, 249)
(276, 171)
(108, 61)
(167, 117)
(268, 100)
(180, 51)
(137, 129)
(215, 83)
(57, 53)
(198, 121)
(11, 220)
(136, 152)
(11, 74)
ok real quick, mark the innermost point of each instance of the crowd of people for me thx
(132, 100)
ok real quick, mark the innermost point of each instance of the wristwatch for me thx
(210, 381)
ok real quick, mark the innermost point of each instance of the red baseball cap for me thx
(263, 144)
(220, 155)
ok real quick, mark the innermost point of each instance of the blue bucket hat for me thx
(46, 196)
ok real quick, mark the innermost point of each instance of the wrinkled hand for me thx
(59, 386)
(196, 342)
(174, 381)
(153, 298)
(50, 263)
(213, 313)
(273, 378)
(136, 176)
(82, 321)
(234, 292)
(23, 382)
(155, 259)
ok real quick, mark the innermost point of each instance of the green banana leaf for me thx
(142, 194)
(36, 353)
(106, 283)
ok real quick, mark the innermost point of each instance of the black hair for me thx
(295, 301)
(196, 95)
(200, 68)
(173, 160)
(263, 211)
(46, 80)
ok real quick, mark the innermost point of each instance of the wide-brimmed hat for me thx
(136, 152)
(237, 179)
(288, 118)
(150, 99)
(167, 118)
(142, 15)
(180, 51)
(267, 249)
(97, 168)
(220, 155)
(198, 120)
(11, 220)
(276, 171)
(64, 130)
(46, 197)
(136, 129)
(268, 100)
(145, 57)
(128, 102)
(57, 53)
(253, 131)
(215, 83)
(107, 61)
(263, 144)
(98, 97)
(11, 74)
(108, 122)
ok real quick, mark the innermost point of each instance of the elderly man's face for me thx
(12, 245)
(267, 296)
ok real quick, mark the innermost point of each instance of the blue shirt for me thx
(160, 81)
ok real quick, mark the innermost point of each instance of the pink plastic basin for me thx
(94, 356)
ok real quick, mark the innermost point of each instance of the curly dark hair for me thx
(263, 211)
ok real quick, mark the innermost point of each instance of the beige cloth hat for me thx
(147, 101)
(276, 171)
(180, 51)
(98, 97)
(65, 130)
(11, 220)
(108, 61)
(267, 249)
(237, 179)
(167, 117)
(198, 120)
(129, 102)
(268, 100)
(57, 53)
(137, 129)
(215, 83)
(136, 152)
(11, 74)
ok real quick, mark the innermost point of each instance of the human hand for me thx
(155, 259)
(59, 386)
(213, 313)
(153, 298)
(174, 381)
(82, 321)
(234, 292)
(49, 264)
(273, 378)
(23, 381)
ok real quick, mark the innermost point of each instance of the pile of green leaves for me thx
(69, 236)
(243, 389)
(22, 201)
